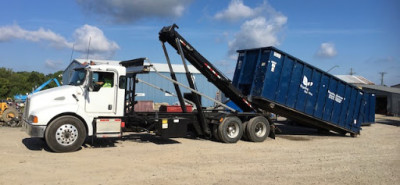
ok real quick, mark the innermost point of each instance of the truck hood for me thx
(55, 96)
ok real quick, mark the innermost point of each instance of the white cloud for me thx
(258, 32)
(8, 33)
(236, 11)
(99, 43)
(327, 50)
(54, 65)
(124, 11)
(262, 28)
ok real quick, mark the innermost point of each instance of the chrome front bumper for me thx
(33, 130)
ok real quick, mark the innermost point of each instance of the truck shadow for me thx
(99, 143)
(148, 138)
(35, 144)
(134, 137)
(38, 144)
(300, 133)
(389, 122)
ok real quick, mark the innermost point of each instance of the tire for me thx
(9, 114)
(215, 132)
(258, 128)
(65, 134)
(244, 136)
(230, 130)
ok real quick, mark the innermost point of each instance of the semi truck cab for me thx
(67, 112)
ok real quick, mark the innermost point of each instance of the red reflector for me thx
(184, 44)
(104, 120)
(122, 124)
(117, 119)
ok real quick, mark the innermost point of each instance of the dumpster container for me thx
(280, 83)
(368, 116)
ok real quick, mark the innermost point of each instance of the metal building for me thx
(145, 92)
(355, 80)
(387, 98)
(396, 86)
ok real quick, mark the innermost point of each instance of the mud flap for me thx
(273, 128)
(272, 132)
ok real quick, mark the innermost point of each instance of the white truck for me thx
(99, 102)
(65, 115)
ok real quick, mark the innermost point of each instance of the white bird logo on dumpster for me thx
(305, 86)
(306, 83)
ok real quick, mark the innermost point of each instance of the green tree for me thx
(13, 83)
(4, 87)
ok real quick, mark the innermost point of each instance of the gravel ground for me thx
(297, 156)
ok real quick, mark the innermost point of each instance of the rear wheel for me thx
(245, 137)
(230, 130)
(257, 129)
(65, 134)
(9, 114)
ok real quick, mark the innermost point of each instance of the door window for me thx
(102, 80)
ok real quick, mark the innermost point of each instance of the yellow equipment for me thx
(7, 113)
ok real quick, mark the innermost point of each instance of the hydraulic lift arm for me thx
(170, 35)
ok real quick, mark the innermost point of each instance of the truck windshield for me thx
(78, 77)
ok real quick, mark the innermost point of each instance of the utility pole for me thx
(382, 74)
(352, 72)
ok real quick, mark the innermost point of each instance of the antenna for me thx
(72, 52)
(87, 57)
(352, 72)
(382, 74)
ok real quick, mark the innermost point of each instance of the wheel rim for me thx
(66, 134)
(232, 130)
(260, 129)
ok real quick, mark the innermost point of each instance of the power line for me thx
(332, 68)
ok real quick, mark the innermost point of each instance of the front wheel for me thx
(65, 134)
(230, 130)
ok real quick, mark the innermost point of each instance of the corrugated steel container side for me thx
(279, 78)
(371, 107)
(369, 110)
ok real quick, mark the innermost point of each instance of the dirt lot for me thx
(297, 156)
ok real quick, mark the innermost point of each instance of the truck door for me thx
(101, 97)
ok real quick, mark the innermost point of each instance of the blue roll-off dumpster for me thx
(368, 117)
(280, 83)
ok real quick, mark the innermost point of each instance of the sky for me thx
(340, 36)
